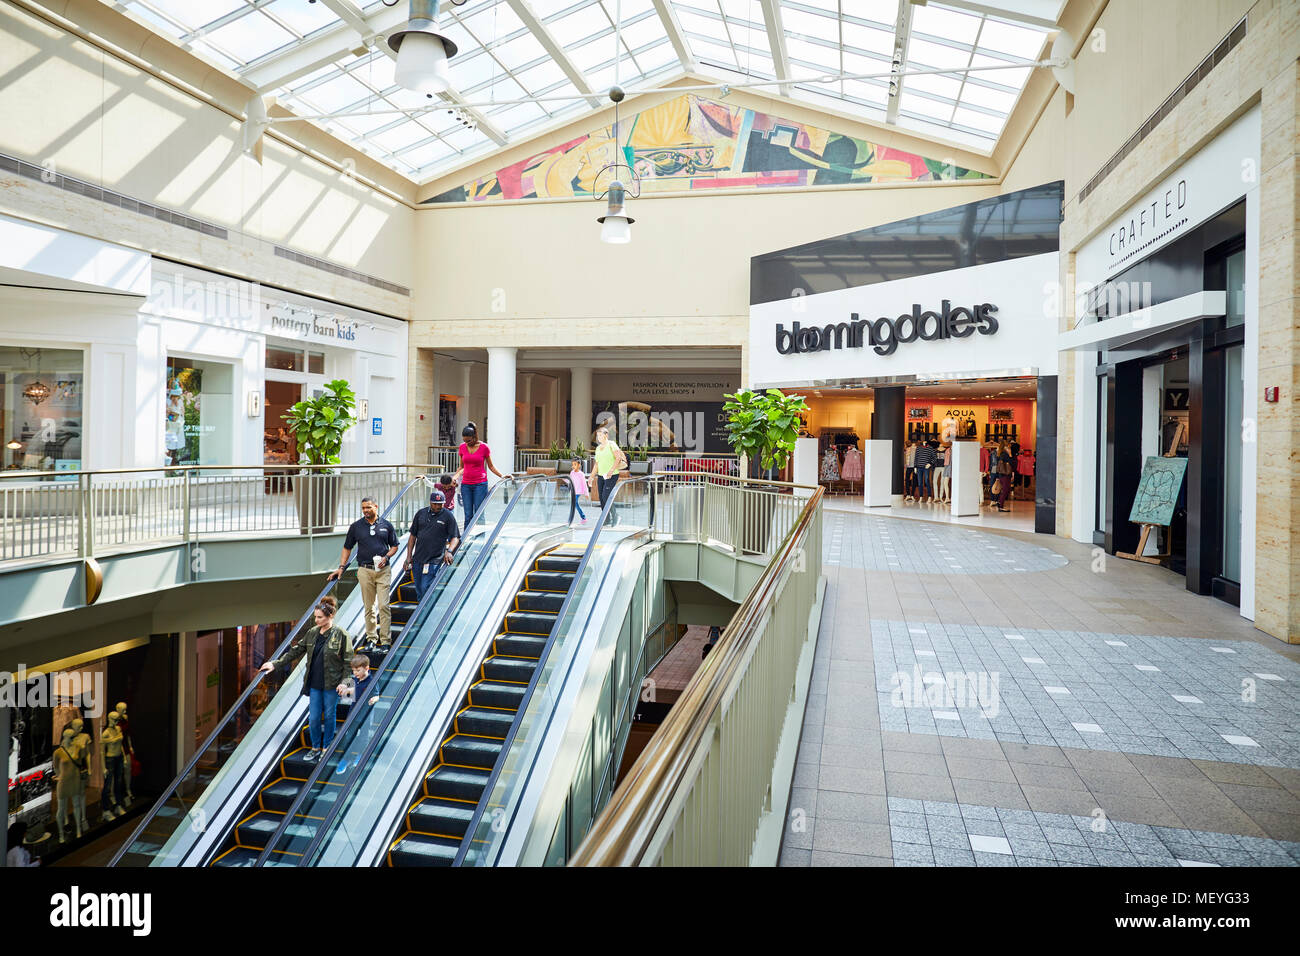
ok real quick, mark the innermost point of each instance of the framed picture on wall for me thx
(921, 413)
(1002, 414)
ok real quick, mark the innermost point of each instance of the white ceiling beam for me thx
(553, 49)
(776, 41)
(1043, 14)
(453, 96)
(349, 14)
(902, 36)
(334, 44)
(675, 35)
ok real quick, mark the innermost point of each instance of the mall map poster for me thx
(1157, 492)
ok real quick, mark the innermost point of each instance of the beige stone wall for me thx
(1150, 47)
(79, 110)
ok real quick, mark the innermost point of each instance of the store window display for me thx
(41, 408)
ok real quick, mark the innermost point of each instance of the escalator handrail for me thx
(379, 733)
(243, 697)
(605, 512)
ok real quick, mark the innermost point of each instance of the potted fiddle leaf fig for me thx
(318, 425)
(762, 427)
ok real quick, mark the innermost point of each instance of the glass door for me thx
(1232, 459)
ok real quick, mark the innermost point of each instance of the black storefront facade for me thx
(1170, 371)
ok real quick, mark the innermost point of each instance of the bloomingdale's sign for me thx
(884, 334)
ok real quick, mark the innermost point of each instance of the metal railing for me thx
(81, 514)
(444, 459)
(698, 792)
(655, 459)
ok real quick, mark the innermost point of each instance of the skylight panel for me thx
(250, 37)
(377, 72)
(1014, 77)
(337, 94)
(714, 52)
(404, 134)
(983, 122)
(1006, 38)
(518, 52)
(513, 118)
(473, 73)
(627, 9)
(547, 8)
(927, 55)
(822, 57)
(540, 76)
(912, 102)
(589, 55)
(492, 23)
(644, 31)
(657, 57)
(575, 27)
(811, 25)
(194, 16)
(693, 22)
(945, 24)
(302, 17)
(946, 86)
(998, 100)
(215, 55)
(868, 38)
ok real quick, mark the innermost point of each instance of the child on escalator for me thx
(359, 687)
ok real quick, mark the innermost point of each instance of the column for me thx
(1045, 453)
(462, 399)
(501, 408)
(888, 422)
(526, 399)
(580, 407)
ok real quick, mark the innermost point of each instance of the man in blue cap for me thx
(434, 539)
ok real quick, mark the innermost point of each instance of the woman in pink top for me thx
(475, 462)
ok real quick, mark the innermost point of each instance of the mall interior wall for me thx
(1133, 58)
(170, 135)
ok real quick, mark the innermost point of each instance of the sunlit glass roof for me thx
(525, 65)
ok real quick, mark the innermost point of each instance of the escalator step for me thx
(518, 645)
(548, 581)
(509, 668)
(558, 562)
(440, 818)
(456, 783)
(495, 694)
(257, 829)
(530, 622)
(484, 723)
(470, 751)
(295, 765)
(278, 795)
(401, 611)
(539, 601)
(416, 849)
(237, 856)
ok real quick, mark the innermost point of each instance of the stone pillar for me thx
(501, 408)
(1277, 532)
(462, 399)
(526, 399)
(580, 407)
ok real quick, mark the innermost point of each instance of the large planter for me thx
(636, 468)
(317, 499)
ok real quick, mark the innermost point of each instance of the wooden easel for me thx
(1162, 557)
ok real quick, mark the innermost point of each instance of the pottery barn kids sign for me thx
(303, 324)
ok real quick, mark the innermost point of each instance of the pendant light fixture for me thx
(37, 392)
(422, 52)
(616, 224)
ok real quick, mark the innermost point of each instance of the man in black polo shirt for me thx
(376, 541)
(434, 539)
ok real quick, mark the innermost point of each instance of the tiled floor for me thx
(885, 544)
(1069, 734)
(1020, 517)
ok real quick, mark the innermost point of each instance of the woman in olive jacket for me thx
(328, 650)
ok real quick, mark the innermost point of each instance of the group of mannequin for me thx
(927, 471)
(71, 761)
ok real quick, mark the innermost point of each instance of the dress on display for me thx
(830, 470)
(852, 470)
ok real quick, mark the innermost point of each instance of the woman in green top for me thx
(609, 461)
(328, 650)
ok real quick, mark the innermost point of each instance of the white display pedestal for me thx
(877, 473)
(805, 464)
(965, 478)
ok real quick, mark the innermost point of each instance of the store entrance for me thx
(279, 447)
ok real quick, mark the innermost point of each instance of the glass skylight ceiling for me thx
(331, 57)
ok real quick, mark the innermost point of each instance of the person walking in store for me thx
(925, 458)
(376, 542)
(610, 460)
(475, 463)
(580, 487)
(1003, 472)
(909, 470)
(328, 650)
(434, 539)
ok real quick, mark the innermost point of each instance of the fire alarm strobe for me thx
(1270, 393)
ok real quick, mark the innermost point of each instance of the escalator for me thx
(435, 823)
(265, 812)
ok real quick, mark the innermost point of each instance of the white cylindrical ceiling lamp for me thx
(422, 52)
(616, 225)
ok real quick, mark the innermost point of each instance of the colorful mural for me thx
(695, 143)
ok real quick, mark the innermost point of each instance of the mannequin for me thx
(128, 751)
(81, 750)
(67, 775)
(110, 742)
